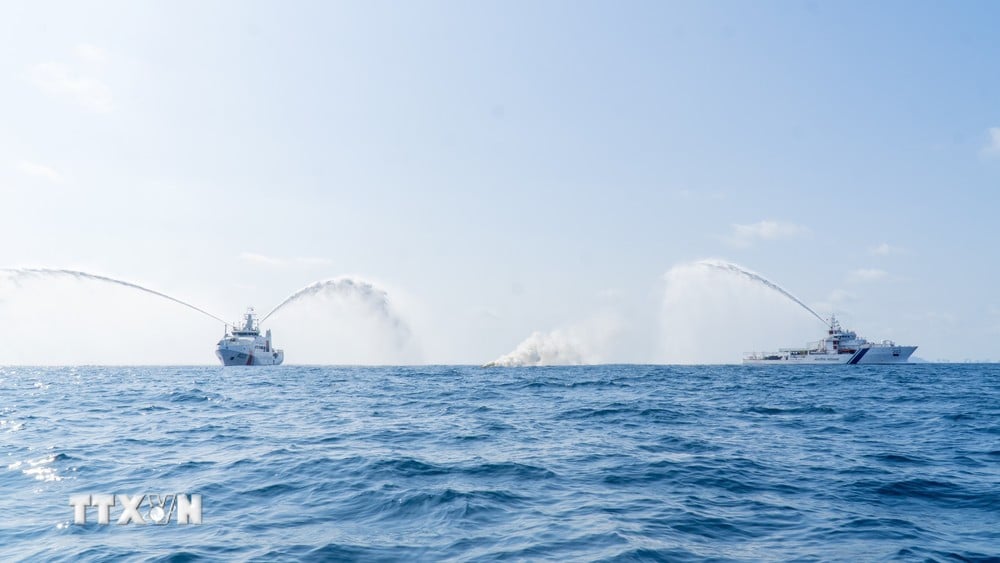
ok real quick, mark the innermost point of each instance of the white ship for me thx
(839, 347)
(246, 347)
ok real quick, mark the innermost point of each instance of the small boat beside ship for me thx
(244, 345)
(839, 347)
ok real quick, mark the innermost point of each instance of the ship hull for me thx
(241, 358)
(875, 355)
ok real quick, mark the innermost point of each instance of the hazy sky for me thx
(500, 168)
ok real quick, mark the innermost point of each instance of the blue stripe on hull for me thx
(860, 354)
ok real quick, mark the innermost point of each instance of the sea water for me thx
(464, 463)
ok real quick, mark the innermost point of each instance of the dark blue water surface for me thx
(568, 463)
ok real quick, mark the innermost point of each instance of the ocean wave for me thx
(610, 463)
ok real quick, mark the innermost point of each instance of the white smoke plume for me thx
(584, 343)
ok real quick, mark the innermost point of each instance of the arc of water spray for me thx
(95, 277)
(736, 269)
(342, 284)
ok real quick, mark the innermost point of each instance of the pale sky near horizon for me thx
(501, 168)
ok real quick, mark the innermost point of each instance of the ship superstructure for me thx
(839, 347)
(244, 345)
